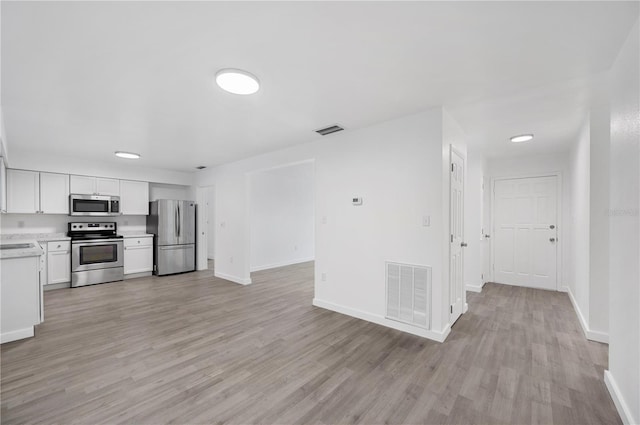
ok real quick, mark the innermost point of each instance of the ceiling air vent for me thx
(201, 167)
(329, 130)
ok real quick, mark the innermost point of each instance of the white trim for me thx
(137, 275)
(559, 240)
(53, 286)
(473, 288)
(282, 264)
(588, 333)
(463, 156)
(16, 335)
(465, 308)
(234, 279)
(381, 320)
(618, 400)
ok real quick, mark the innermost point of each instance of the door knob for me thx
(463, 244)
(552, 239)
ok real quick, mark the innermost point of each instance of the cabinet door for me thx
(59, 267)
(83, 185)
(134, 197)
(54, 193)
(107, 186)
(3, 186)
(138, 259)
(23, 191)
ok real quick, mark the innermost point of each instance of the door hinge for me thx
(452, 165)
(482, 276)
(451, 238)
(451, 309)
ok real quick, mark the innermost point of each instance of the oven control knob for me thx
(80, 226)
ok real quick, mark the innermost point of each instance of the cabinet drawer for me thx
(56, 246)
(130, 242)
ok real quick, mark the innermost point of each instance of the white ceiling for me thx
(88, 78)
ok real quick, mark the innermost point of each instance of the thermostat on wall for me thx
(356, 201)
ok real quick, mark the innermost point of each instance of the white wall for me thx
(599, 218)
(397, 167)
(580, 223)
(540, 165)
(623, 376)
(57, 223)
(282, 209)
(171, 191)
(474, 222)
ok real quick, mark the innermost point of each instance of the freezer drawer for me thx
(175, 259)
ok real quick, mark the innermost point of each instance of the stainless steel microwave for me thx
(94, 205)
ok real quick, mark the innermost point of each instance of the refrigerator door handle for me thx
(179, 226)
(175, 220)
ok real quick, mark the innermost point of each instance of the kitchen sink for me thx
(16, 246)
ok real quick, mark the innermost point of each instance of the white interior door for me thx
(456, 223)
(525, 232)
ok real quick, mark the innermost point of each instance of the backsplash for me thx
(55, 223)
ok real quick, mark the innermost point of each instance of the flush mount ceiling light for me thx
(522, 138)
(237, 81)
(128, 155)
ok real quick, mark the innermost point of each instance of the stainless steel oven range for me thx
(96, 253)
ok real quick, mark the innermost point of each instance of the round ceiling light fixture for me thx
(237, 81)
(522, 138)
(127, 155)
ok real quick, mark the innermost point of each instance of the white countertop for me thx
(33, 250)
(40, 237)
(135, 234)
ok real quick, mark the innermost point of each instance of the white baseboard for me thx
(381, 320)
(136, 275)
(618, 400)
(473, 288)
(16, 335)
(588, 333)
(282, 264)
(465, 308)
(234, 279)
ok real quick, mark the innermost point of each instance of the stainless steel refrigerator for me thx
(173, 224)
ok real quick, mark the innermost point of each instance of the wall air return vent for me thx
(409, 294)
(329, 130)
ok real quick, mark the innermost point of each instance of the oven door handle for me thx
(96, 242)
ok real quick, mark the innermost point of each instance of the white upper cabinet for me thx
(23, 191)
(82, 184)
(87, 185)
(31, 192)
(107, 186)
(54, 193)
(134, 197)
(3, 186)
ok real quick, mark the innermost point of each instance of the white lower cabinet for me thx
(58, 262)
(138, 255)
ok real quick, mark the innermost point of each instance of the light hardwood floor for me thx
(196, 349)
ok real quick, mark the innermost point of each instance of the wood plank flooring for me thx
(196, 349)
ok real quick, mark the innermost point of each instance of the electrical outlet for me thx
(20, 223)
(323, 277)
(426, 221)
